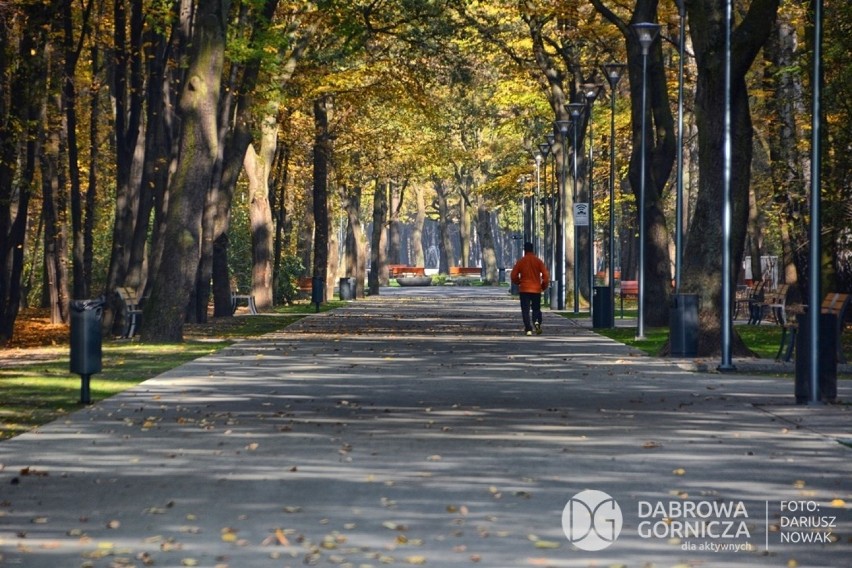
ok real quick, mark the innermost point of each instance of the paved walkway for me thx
(422, 427)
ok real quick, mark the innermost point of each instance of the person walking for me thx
(531, 275)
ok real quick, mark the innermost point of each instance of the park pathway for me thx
(422, 427)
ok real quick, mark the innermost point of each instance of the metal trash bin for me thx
(683, 325)
(346, 287)
(317, 291)
(602, 315)
(827, 352)
(86, 342)
(501, 275)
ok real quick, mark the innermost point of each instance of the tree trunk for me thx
(394, 225)
(69, 95)
(702, 270)
(24, 82)
(128, 96)
(378, 240)
(354, 261)
(54, 202)
(417, 255)
(278, 204)
(258, 169)
(486, 242)
(660, 150)
(322, 155)
(164, 313)
(787, 162)
(464, 230)
(447, 252)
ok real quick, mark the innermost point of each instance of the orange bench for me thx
(465, 271)
(402, 270)
(627, 289)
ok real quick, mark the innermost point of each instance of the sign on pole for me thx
(581, 214)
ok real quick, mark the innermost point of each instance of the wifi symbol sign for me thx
(581, 214)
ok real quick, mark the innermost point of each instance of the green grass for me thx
(41, 388)
(762, 339)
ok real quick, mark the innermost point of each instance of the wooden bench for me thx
(835, 303)
(132, 310)
(466, 271)
(305, 284)
(627, 289)
(403, 271)
(773, 304)
(236, 298)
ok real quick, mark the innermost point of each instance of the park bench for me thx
(466, 271)
(405, 271)
(627, 289)
(745, 295)
(237, 297)
(773, 304)
(835, 303)
(131, 308)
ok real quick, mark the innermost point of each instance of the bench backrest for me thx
(629, 286)
(128, 296)
(835, 303)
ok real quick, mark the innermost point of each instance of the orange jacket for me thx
(531, 274)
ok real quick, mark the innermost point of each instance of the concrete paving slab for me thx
(423, 428)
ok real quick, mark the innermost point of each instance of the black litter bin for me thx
(317, 291)
(602, 316)
(683, 325)
(827, 352)
(501, 275)
(347, 288)
(86, 342)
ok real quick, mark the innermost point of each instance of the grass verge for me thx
(37, 387)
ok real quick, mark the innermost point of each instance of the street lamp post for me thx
(613, 72)
(563, 126)
(592, 92)
(553, 191)
(726, 363)
(814, 264)
(538, 160)
(681, 7)
(546, 213)
(576, 110)
(646, 33)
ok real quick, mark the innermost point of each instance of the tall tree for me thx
(23, 68)
(659, 147)
(702, 269)
(322, 155)
(197, 107)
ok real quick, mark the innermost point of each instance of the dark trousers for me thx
(528, 301)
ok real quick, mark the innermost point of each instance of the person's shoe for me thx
(529, 332)
(538, 328)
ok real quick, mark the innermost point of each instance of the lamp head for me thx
(544, 149)
(592, 91)
(613, 73)
(563, 126)
(576, 109)
(646, 33)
